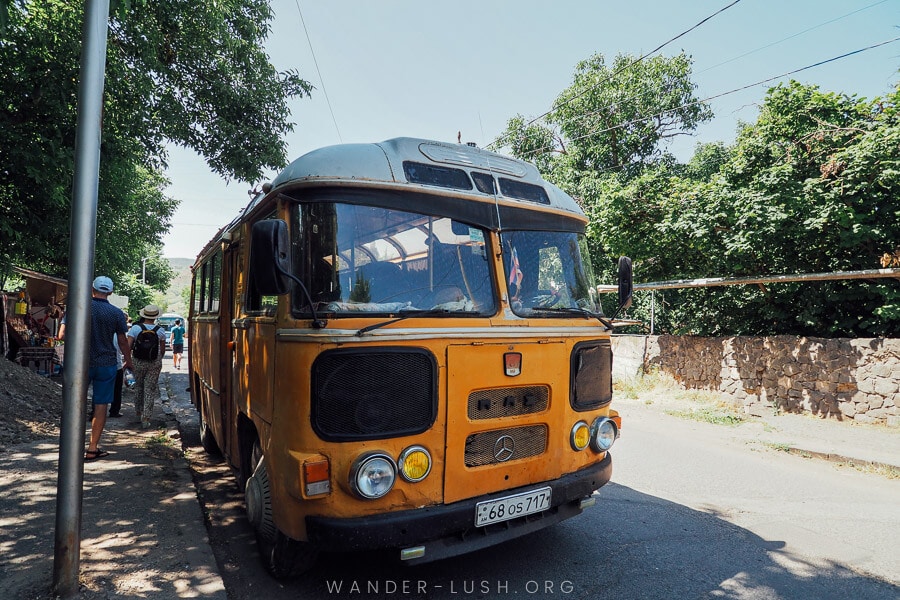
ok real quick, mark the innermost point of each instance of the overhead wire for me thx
(621, 69)
(318, 71)
(663, 87)
(790, 37)
(735, 90)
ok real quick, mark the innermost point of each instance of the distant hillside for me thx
(179, 263)
(181, 281)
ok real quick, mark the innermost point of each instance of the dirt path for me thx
(142, 533)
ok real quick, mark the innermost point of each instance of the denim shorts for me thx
(103, 380)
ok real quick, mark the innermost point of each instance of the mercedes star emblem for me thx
(504, 448)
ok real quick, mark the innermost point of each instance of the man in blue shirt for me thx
(106, 321)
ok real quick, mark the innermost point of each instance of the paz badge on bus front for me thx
(513, 363)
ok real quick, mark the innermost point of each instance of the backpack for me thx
(146, 344)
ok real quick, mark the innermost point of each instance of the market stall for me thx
(32, 317)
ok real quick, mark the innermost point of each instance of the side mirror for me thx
(270, 257)
(625, 282)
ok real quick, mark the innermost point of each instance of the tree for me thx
(814, 186)
(189, 72)
(602, 142)
(811, 186)
(611, 119)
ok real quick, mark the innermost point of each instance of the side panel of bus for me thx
(225, 410)
(211, 346)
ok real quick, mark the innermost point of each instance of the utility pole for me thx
(83, 229)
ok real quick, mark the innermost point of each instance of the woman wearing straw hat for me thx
(147, 358)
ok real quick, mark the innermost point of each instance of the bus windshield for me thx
(365, 259)
(548, 272)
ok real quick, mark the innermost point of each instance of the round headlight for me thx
(604, 435)
(580, 436)
(373, 475)
(414, 464)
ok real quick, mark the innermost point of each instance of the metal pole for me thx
(144, 270)
(652, 310)
(719, 281)
(67, 544)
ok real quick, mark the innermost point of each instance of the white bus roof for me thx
(383, 164)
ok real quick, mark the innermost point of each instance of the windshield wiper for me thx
(407, 313)
(573, 310)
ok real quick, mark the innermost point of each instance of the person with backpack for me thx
(148, 344)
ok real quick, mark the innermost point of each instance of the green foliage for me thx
(185, 294)
(721, 415)
(707, 161)
(361, 289)
(812, 186)
(612, 118)
(193, 73)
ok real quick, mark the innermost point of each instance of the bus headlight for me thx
(580, 436)
(603, 434)
(372, 475)
(414, 464)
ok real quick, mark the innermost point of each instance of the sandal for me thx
(95, 454)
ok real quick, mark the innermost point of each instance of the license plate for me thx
(503, 509)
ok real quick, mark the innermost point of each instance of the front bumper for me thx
(448, 530)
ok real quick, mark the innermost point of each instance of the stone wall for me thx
(856, 379)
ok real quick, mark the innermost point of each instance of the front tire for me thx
(282, 556)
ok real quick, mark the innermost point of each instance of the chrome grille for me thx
(507, 402)
(504, 445)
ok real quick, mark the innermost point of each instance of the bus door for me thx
(227, 310)
(253, 370)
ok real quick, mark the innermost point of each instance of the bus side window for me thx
(257, 303)
(215, 277)
(201, 294)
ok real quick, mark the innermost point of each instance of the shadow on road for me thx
(630, 545)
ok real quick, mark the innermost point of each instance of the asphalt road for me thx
(692, 513)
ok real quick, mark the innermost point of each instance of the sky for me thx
(390, 68)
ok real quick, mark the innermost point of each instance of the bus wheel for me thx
(283, 557)
(207, 439)
(286, 558)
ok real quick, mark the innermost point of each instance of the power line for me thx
(322, 79)
(790, 37)
(661, 113)
(664, 88)
(621, 70)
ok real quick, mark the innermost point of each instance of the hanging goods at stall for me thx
(21, 305)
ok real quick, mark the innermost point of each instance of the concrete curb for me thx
(840, 458)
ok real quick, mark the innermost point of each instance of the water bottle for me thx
(130, 380)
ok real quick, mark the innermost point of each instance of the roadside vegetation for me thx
(697, 405)
(812, 186)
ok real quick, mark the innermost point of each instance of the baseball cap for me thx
(103, 284)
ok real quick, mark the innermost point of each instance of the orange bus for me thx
(400, 346)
